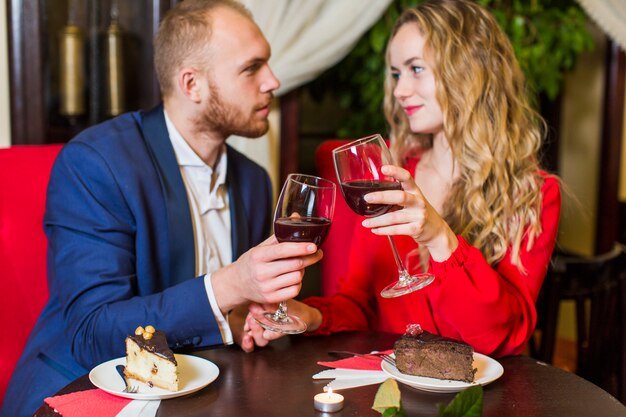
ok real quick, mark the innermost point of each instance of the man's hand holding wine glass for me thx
(273, 273)
(303, 213)
(303, 217)
(268, 274)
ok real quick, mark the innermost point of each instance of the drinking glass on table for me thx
(303, 214)
(358, 165)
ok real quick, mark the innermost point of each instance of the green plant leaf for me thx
(378, 37)
(467, 403)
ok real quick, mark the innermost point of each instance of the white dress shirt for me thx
(208, 201)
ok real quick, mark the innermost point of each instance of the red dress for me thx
(492, 308)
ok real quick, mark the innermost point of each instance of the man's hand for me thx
(267, 274)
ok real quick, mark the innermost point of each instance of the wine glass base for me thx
(407, 285)
(289, 324)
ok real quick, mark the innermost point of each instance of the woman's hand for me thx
(247, 332)
(310, 315)
(416, 218)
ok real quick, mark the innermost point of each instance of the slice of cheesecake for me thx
(149, 359)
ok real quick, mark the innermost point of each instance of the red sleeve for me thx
(491, 308)
(353, 307)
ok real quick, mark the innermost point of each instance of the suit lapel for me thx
(182, 262)
(240, 235)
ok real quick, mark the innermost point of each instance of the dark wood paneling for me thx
(27, 110)
(34, 27)
(551, 112)
(621, 237)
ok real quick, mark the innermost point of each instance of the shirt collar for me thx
(186, 157)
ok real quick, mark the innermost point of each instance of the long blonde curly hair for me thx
(493, 132)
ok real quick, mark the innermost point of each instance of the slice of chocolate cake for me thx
(149, 359)
(421, 353)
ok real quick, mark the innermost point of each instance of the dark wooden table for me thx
(276, 381)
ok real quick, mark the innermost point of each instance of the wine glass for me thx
(303, 214)
(358, 166)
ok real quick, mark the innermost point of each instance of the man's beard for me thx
(228, 120)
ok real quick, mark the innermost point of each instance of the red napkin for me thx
(363, 363)
(92, 403)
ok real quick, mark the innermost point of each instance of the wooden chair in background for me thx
(597, 286)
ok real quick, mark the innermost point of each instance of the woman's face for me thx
(415, 81)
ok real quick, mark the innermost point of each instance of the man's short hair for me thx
(184, 37)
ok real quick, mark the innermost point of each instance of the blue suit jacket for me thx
(121, 252)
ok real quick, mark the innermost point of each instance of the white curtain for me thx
(307, 37)
(610, 16)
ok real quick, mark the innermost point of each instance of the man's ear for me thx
(189, 84)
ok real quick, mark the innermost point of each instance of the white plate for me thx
(488, 371)
(194, 373)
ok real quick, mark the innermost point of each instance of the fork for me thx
(131, 389)
(389, 359)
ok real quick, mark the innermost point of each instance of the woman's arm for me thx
(493, 308)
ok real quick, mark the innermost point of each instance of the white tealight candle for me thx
(328, 402)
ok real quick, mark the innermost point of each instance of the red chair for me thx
(24, 174)
(335, 248)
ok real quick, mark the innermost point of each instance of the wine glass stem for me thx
(281, 314)
(402, 272)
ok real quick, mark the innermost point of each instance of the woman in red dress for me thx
(476, 208)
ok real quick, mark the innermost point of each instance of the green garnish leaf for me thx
(387, 396)
(467, 403)
(387, 400)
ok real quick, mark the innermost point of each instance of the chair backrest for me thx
(24, 174)
(597, 286)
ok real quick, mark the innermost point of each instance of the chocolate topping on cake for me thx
(157, 344)
(423, 336)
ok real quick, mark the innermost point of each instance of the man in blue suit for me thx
(152, 219)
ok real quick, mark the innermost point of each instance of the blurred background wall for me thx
(579, 159)
(580, 151)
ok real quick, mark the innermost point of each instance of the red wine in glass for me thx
(303, 214)
(302, 229)
(358, 165)
(354, 191)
